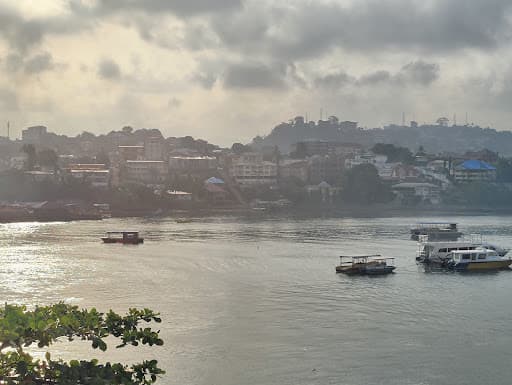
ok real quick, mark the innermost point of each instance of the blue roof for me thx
(214, 180)
(475, 165)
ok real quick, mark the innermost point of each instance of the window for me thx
(481, 256)
(466, 256)
(443, 250)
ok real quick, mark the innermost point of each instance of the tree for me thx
(394, 153)
(48, 158)
(20, 328)
(30, 151)
(362, 184)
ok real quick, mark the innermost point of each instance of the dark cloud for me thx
(334, 80)
(298, 29)
(419, 72)
(22, 34)
(109, 69)
(254, 75)
(375, 78)
(13, 62)
(178, 7)
(39, 63)
(414, 73)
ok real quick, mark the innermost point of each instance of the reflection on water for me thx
(258, 302)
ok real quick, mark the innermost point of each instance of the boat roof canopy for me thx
(122, 232)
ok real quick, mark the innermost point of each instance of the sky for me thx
(227, 70)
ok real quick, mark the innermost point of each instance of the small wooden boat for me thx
(124, 237)
(365, 265)
(184, 220)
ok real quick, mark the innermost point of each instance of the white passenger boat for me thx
(437, 252)
(477, 260)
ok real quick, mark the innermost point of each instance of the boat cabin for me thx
(436, 231)
(365, 264)
(438, 251)
(126, 237)
(479, 259)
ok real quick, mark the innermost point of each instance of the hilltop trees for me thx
(394, 153)
(20, 328)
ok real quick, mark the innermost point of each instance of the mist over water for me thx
(257, 301)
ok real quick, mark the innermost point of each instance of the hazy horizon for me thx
(229, 70)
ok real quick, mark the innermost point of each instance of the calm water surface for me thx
(248, 301)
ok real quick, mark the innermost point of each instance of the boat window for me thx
(481, 256)
(472, 248)
(452, 249)
(466, 256)
(464, 248)
(444, 250)
(473, 257)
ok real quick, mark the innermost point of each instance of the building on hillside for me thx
(97, 174)
(474, 171)
(131, 152)
(409, 193)
(154, 148)
(404, 172)
(484, 155)
(179, 196)
(294, 168)
(367, 158)
(33, 135)
(191, 164)
(325, 168)
(250, 169)
(146, 171)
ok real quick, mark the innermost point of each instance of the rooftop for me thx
(476, 165)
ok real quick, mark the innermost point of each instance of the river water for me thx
(257, 301)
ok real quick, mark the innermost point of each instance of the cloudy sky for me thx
(227, 70)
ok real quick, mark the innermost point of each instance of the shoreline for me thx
(374, 211)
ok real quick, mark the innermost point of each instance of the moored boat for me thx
(477, 260)
(437, 252)
(436, 231)
(124, 237)
(365, 265)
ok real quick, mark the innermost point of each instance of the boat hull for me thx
(123, 241)
(350, 270)
(483, 266)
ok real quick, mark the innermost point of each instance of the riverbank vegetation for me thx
(21, 328)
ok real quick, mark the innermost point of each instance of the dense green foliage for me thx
(394, 153)
(20, 328)
(504, 170)
(362, 184)
(481, 195)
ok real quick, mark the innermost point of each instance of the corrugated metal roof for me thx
(475, 165)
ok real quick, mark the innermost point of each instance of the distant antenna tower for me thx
(454, 119)
(466, 118)
(8, 130)
(403, 119)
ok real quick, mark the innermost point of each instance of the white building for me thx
(250, 169)
(192, 163)
(379, 161)
(417, 192)
(146, 171)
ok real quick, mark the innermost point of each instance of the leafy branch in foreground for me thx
(20, 328)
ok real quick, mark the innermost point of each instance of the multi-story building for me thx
(474, 171)
(294, 168)
(251, 169)
(192, 163)
(154, 148)
(131, 152)
(96, 174)
(33, 135)
(146, 171)
(377, 160)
